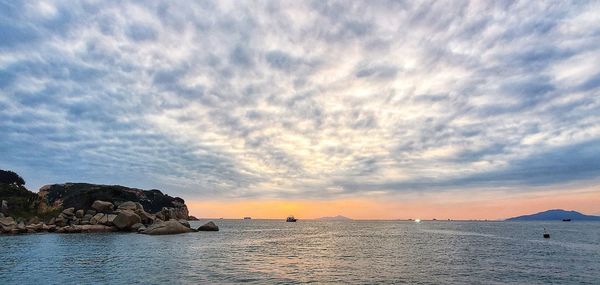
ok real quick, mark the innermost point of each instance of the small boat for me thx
(291, 219)
(247, 218)
(566, 220)
(546, 234)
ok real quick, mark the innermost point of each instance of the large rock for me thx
(35, 227)
(137, 227)
(185, 223)
(79, 213)
(147, 218)
(96, 218)
(125, 219)
(7, 224)
(166, 228)
(131, 206)
(7, 221)
(33, 220)
(209, 227)
(69, 212)
(110, 218)
(103, 206)
(60, 221)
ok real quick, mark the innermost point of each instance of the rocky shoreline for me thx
(105, 216)
(89, 208)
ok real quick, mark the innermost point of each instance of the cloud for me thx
(288, 99)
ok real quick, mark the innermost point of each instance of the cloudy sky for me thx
(326, 103)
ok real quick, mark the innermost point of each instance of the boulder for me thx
(90, 212)
(147, 218)
(35, 227)
(109, 219)
(125, 219)
(131, 206)
(192, 218)
(137, 227)
(60, 221)
(21, 227)
(69, 212)
(51, 222)
(96, 218)
(86, 218)
(48, 228)
(103, 206)
(185, 223)
(209, 227)
(166, 228)
(1, 215)
(7, 221)
(80, 213)
(7, 224)
(34, 220)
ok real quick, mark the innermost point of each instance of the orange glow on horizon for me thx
(441, 206)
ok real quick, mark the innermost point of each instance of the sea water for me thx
(273, 251)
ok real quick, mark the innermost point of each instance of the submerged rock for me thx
(209, 227)
(166, 228)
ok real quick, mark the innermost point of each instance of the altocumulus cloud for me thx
(295, 98)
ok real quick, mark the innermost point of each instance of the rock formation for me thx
(166, 228)
(89, 208)
(209, 227)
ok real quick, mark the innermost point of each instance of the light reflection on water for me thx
(264, 251)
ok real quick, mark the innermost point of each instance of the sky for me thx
(369, 109)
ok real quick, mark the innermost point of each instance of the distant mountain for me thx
(556, 215)
(336, 218)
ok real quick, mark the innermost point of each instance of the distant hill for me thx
(556, 215)
(336, 218)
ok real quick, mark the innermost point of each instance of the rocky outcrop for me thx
(85, 208)
(166, 228)
(83, 196)
(209, 227)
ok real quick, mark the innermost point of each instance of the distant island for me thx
(336, 218)
(555, 215)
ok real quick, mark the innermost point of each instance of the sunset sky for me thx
(368, 109)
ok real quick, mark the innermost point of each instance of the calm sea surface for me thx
(264, 251)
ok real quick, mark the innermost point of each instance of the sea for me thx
(320, 252)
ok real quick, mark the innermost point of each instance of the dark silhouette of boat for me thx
(291, 219)
(247, 218)
(546, 234)
(566, 220)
